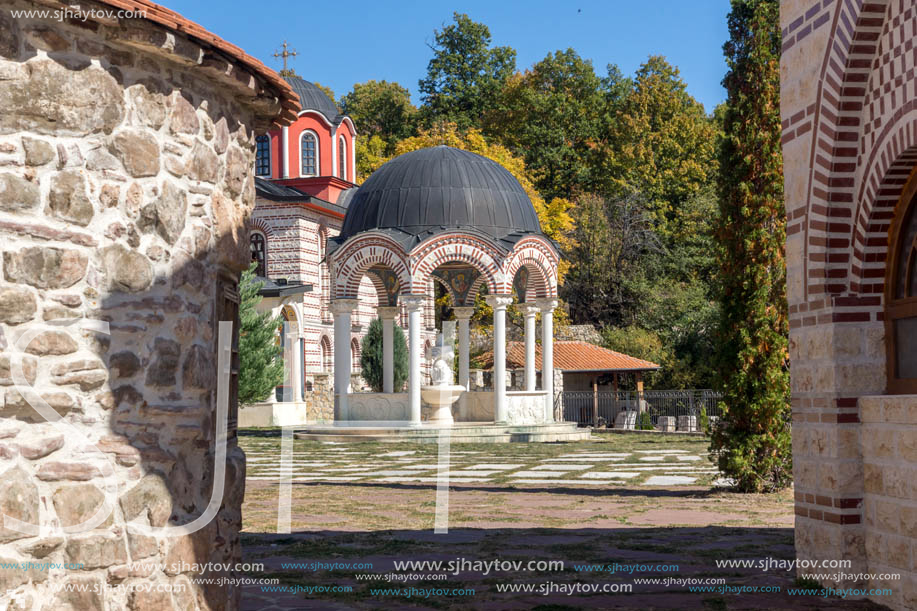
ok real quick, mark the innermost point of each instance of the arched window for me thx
(324, 277)
(263, 155)
(258, 246)
(308, 150)
(325, 346)
(342, 158)
(354, 355)
(901, 296)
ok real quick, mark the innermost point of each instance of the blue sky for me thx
(340, 44)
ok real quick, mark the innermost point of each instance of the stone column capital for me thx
(499, 301)
(412, 302)
(547, 304)
(530, 309)
(463, 312)
(344, 306)
(388, 312)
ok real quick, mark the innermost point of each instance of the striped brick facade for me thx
(849, 121)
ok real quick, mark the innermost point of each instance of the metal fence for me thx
(624, 409)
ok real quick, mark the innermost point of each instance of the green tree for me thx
(260, 362)
(658, 141)
(752, 445)
(371, 356)
(465, 75)
(381, 109)
(551, 114)
(384, 115)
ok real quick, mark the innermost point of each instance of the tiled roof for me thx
(574, 356)
(172, 20)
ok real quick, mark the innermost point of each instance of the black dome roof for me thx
(313, 98)
(431, 190)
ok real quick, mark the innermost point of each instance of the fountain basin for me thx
(441, 397)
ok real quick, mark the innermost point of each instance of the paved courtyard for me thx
(633, 462)
(649, 500)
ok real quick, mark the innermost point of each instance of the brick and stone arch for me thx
(127, 177)
(457, 247)
(357, 256)
(539, 260)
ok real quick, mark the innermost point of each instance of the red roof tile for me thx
(574, 356)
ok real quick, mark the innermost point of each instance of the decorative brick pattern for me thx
(849, 127)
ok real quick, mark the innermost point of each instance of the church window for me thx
(309, 153)
(342, 158)
(901, 309)
(263, 155)
(258, 247)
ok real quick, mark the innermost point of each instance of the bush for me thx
(704, 421)
(645, 422)
(371, 356)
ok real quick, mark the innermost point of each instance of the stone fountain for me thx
(442, 394)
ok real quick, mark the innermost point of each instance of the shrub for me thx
(645, 422)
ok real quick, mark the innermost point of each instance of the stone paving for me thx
(343, 462)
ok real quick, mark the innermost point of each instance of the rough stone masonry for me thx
(126, 178)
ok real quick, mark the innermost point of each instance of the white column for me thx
(547, 354)
(296, 370)
(353, 158)
(342, 309)
(499, 303)
(387, 314)
(414, 306)
(530, 310)
(463, 316)
(284, 152)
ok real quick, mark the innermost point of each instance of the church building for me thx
(305, 179)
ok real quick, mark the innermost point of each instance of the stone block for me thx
(18, 500)
(76, 102)
(687, 423)
(96, 551)
(67, 198)
(150, 497)
(126, 270)
(666, 423)
(17, 305)
(79, 503)
(45, 267)
(138, 151)
(61, 471)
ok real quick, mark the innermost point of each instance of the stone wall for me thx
(889, 445)
(126, 155)
(849, 141)
(320, 400)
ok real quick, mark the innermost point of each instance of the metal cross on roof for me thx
(285, 54)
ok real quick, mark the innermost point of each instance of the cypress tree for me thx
(260, 361)
(752, 444)
(371, 356)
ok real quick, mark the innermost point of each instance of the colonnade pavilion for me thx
(450, 216)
